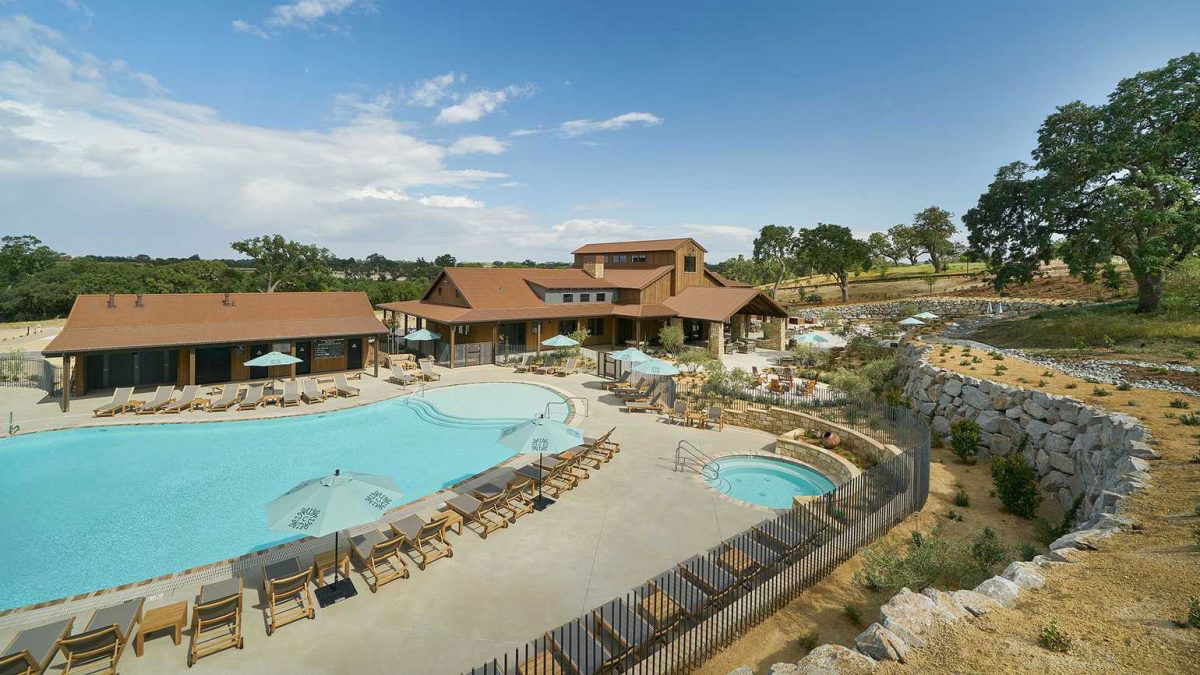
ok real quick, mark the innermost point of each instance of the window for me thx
(568, 297)
(617, 258)
(439, 291)
(600, 297)
(585, 297)
(596, 326)
(567, 326)
(463, 329)
(638, 257)
(457, 294)
(689, 263)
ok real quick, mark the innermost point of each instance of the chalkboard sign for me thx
(329, 348)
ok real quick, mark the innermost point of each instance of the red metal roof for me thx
(637, 246)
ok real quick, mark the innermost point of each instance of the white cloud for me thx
(240, 26)
(451, 202)
(602, 205)
(487, 145)
(572, 128)
(301, 14)
(429, 93)
(474, 106)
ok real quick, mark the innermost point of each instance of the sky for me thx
(514, 130)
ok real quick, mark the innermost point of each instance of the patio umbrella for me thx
(541, 435)
(560, 341)
(655, 367)
(319, 506)
(912, 322)
(422, 335)
(273, 359)
(632, 354)
(925, 315)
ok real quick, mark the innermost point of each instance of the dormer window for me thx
(585, 297)
(638, 257)
(689, 263)
(600, 297)
(568, 297)
(615, 258)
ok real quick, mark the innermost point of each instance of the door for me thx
(213, 364)
(258, 373)
(624, 331)
(304, 353)
(354, 353)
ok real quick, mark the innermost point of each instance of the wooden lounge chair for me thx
(568, 368)
(291, 394)
(678, 412)
(626, 626)
(715, 580)
(689, 598)
(642, 406)
(781, 533)
(569, 463)
(99, 647)
(401, 376)
(230, 395)
(216, 619)
(427, 370)
(481, 512)
(623, 381)
(746, 545)
(716, 417)
(522, 365)
(642, 396)
(516, 497)
(186, 401)
(311, 392)
(547, 368)
(119, 404)
(580, 648)
(601, 450)
(285, 587)
(32, 650)
(380, 556)
(640, 389)
(546, 481)
(253, 397)
(426, 539)
(162, 396)
(342, 388)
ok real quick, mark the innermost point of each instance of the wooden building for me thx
(623, 292)
(205, 338)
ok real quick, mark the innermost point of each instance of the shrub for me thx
(852, 614)
(1100, 391)
(1053, 638)
(1041, 383)
(810, 355)
(1190, 419)
(927, 560)
(961, 498)
(1016, 483)
(693, 359)
(999, 370)
(954, 515)
(809, 640)
(976, 359)
(1046, 533)
(1028, 551)
(851, 382)
(671, 338)
(1189, 354)
(986, 551)
(1193, 615)
(1180, 403)
(1124, 386)
(965, 436)
(1070, 385)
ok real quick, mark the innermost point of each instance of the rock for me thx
(977, 604)
(1064, 429)
(1066, 555)
(1087, 539)
(1025, 575)
(834, 659)
(784, 669)
(1012, 413)
(945, 604)
(1060, 445)
(881, 644)
(1001, 590)
(975, 398)
(742, 670)
(912, 609)
(952, 387)
(1036, 430)
(1060, 462)
(989, 421)
(1033, 409)
(1143, 451)
(1045, 562)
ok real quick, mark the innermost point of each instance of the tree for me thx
(905, 241)
(284, 263)
(832, 249)
(445, 260)
(24, 255)
(1120, 179)
(775, 245)
(931, 231)
(882, 246)
(671, 338)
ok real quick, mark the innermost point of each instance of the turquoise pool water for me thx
(86, 509)
(765, 481)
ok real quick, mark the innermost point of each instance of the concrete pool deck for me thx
(631, 520)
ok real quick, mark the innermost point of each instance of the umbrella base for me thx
(335, 592)
(540, 502)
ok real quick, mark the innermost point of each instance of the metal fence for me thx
(677, 620)
(34, 372)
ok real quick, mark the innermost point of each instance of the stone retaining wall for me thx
(782, 421)
(943, 307)
(835, 467)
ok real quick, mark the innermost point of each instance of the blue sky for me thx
(520, 129)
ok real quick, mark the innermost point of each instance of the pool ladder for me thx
(689, 458)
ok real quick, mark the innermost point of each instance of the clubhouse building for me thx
(622, 292)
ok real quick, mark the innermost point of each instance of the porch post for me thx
(293, 366)
(375, 354)
(191, 365)
(452, 335)
(66, 397)
(716, 338)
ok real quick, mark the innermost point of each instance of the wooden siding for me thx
(657, 292)
(446, 293)
(687, 279)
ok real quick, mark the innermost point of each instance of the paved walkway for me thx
(629, 521)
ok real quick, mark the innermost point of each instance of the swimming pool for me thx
(85, 509)
(766, 481)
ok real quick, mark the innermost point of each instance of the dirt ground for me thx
(29, 336)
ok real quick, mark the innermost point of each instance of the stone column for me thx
(737, 326)
(774, 332)
(716, 338)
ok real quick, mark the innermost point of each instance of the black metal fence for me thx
(34, 372)
(677, 620)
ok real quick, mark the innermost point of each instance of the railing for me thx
(33, 372)
(677, 620)
(587, 410)
(688, 456)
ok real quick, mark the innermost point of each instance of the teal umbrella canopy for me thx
(540, 435)
(272, 359)
(320, 506)
(422, 335)
(815, 338)
(655, 367)
(912, 322)
(632, 354)
(925, 315)
(560, 341)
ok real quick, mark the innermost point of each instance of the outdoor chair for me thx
(119, 404)
(780, 533)
(342, 387)
(426, 539)
(642, 396)
(230, 395)
(427, 370)
(580, 648)
(623, 381)
(32, 650)
(285, 588)
(187, 400)
(162, 396)
(678, 412)
(643, 406)
(570, 463)
(559, 470)
(601, 450)
(687, 598)
(103, 641)
(547, 368)
(253, 397)
(216, 619)
(401, 376)
(380, 556)
(522, 365)
(311, 393)
(482, 512)
(716, 581)
(634, 391)
(747, 546)
(716, 417)
(546, 481)
(627, 628)
(568, 368)
(516, 493)
(291, 394)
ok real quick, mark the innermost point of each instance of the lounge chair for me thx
(625, 625)
(548, 482)
(119, 404)
(401, 376)
(186, 401)
(714, 416)
(342, 387)
(522, 365)
(516, 496)
(162, 396)
(678, 412)
(568, 463)
(291, 394)
(642, 395)
(103, 641)
(379, 555)
(623, 381)
(580, 648)
(311, 392)
(547, 368)
(639, 389)
(482, 512)
(781, 533)
(568, 368)
(230, 395)
(32, 650)
(253, 397)
(601, 450)
(426, 539)
(642, 406)
(746, 545)
(285, 587)
(713, 579)
(427, 371)
(688, 598)
(216, 619)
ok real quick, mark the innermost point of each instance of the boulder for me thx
(989, 421)
(977, 604)
(1060, 462)
(881, 644)
(1142, 451)
(741, 670)
(975, 398)
(1086, 539)
(952, 387)
(1024, 574)
(833, 660)
(1059, 445)
(1036, 430)
(1001, 590)
(945, 605)
(1033, 409)
(784, 669)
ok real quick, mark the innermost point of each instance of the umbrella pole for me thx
(336, 566)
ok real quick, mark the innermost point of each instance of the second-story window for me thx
(638, 257)
(568, 297)
(585, 297)
(617, 258)
(600, 297)
(689, 263)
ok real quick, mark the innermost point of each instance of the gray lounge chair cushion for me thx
(363, 543)
(489, 490)
(533, 472)
(282, 569)
(41, 641)
(625, 623)
(464, 503)
(681, 591)
(781, 533)
(756, 551)
(220, 590)
(409, 526)
(580, 647)
(123, 616)
(703, 569)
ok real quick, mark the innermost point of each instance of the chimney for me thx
(138, 302)
(595, 267)
(227, 301)
(112, 300)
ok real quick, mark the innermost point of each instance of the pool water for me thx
(765, 481)
(86, 509)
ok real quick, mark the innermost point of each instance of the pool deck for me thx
(629, 521)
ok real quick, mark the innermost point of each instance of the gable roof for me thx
(638, 246)
(181, 319)
(718, 304)
(726, 281)
(635, 278)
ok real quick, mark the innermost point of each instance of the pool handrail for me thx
(688, 456)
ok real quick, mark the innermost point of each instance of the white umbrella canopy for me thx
(560, 341)
(540, 435)
(272, 359)
(910, 321)
(632, 354)
(925, 315)
(422, 335)
(820, 339)
(655, 367)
